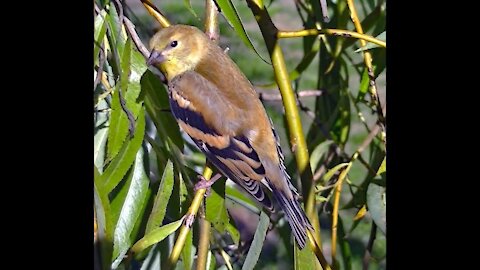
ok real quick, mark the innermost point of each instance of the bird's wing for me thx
(192, 100)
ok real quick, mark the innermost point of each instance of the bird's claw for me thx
(189, 219)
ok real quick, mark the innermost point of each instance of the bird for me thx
(218, 107)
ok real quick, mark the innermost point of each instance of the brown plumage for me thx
(217, 106)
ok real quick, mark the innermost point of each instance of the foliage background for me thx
(144, 181)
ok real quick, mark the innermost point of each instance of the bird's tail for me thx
(295, 215)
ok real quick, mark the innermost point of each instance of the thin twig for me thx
(135, 38)
(367, 56)
(332, 32)
(266, 96)
(101, 62)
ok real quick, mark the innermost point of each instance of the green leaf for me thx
(104, 220)
(376, 202)
(133, 65)
(305, 259)
(257, 243)
(100, 137)
(188, 5)
(161, 199)
(333, 170)
(122, 162)
(234, 233)
(237, 196)
(230, 13)
(383, 166)
(370, 45)
(364, 83)
(100, 27)
(216, 212)
(156, 235)
(130, 210)
(318, 153)
(156, 100)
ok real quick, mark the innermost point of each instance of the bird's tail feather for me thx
(295, 215)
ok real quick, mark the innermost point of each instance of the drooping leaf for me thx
(100, 28)
(230, 13)
(156, 235)
(104, 221)
(257, 243)
(188, 5)
(216, 212)
(156, 103)
(304, 259)
(122, 162)
(161, 199)
(100, 137)
(133, 65)
(130, 210)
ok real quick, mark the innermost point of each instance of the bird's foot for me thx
(189, 219)
(206, 184)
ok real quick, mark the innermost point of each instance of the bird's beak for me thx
(156, 57)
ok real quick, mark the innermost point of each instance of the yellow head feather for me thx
(180, 47)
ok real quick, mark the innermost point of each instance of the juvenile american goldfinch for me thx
(217, 106)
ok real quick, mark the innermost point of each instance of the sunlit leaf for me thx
(122, 162)
(161, 199)
(228, 10)
(216, 212)
(333, 170)
(156, 235)
(130, 210)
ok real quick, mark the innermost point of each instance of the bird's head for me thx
(177, 49)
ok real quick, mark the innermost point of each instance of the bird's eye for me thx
(174, 44)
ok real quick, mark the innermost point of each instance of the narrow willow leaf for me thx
(100, 28)
(333, 170)
(216, 212)
(156, 235)
(383, 167)
(364, 83)
(133, 65)
(122, 162)
(257, 243)
(233, 231)
(161, 199)
(237, 196)
(230, 13)
(370, 45)
(156, 102)
(100, 137)
(376, 202)
(104, 221)
(188, 5)
(305, 259)
(130, 211)
(318, 153)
